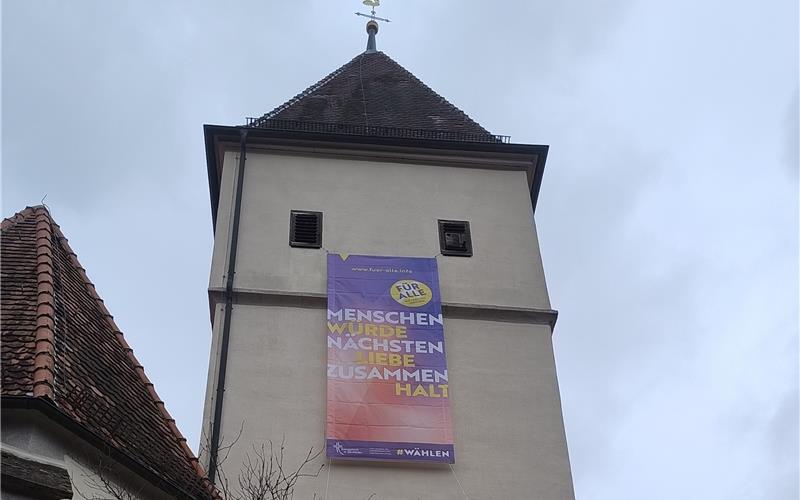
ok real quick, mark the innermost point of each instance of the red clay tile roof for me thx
(59, 342)
(373, 90)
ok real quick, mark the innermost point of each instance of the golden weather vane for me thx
(372, 4)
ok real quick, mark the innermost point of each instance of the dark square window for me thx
(454, 238)
(305, 229)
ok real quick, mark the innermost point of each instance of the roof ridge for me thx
(309, 89)
(138, 367)
(409, 73)
(44, 336)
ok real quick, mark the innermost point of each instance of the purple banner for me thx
(388, 393)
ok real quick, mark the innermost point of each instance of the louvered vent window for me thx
(454, 238)
(305, 229)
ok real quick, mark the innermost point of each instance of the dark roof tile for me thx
(373, 90)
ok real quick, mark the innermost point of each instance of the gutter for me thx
(538, 174)
(216, 416)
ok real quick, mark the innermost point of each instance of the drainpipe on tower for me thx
(216, 417)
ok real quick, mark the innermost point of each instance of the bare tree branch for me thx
(101, 485)
(263, 474)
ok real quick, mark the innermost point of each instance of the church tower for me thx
(353, 225)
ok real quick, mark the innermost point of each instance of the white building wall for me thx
(509, 435)
(32, 435)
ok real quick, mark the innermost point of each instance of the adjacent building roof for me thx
(373, 90)
(60, 344)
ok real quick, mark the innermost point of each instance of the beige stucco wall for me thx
(509, 432)
(381, 208)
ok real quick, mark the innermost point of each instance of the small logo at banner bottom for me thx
(346, 451)
(411, 293)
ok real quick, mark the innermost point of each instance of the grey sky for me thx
(668, 215)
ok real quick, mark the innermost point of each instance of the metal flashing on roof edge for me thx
(377, 131)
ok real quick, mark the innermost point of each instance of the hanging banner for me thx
(388, 393)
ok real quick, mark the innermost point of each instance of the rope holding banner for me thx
(458, 482)
(328, 479)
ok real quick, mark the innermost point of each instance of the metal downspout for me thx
(216, 417)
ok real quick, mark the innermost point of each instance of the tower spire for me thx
(372, 30)
(372, 24)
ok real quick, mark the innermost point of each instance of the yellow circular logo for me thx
(411, 293)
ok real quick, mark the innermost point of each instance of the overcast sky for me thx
(668, 215)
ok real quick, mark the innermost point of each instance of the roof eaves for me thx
(50, 409)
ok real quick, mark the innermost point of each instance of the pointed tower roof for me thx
(373, 103)
(373, 90)
(62, 352)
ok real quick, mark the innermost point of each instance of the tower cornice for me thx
(529, 158)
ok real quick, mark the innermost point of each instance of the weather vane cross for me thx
(372, 4)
